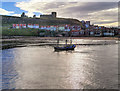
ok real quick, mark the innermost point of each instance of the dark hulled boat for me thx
(68, 47)
(65, 47)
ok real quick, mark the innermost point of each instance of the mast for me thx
(57, 42)
(66, 42)
(70, 41)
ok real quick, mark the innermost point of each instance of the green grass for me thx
(24, 32)
(19, 32)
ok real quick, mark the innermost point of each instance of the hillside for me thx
(9, 20)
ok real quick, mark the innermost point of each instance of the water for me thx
(39, 67)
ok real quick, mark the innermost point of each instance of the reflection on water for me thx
(85, 41)
(38, 67)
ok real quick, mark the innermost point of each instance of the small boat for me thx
(66, 47)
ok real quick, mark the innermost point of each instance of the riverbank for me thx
(23, 41)
(34, 37)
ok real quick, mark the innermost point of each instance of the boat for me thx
(65, 47)
(68, 47)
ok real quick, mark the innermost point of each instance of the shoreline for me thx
(23, 41)
(50, 38)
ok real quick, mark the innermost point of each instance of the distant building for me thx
(87, 24)
(33, 25)
(52, 15)
(75, 33)
(23, 15)
(19, 25)
(34, 16)
(83, 22)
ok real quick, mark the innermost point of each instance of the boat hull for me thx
(70, 47)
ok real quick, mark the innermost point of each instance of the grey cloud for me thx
(105, 22)
(81, 12)
(53, 5)
(92, 7)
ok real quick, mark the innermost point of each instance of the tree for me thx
(34, 16)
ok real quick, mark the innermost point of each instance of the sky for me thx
(99, 13)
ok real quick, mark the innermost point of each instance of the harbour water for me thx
(40, 67)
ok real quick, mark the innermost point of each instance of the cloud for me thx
(115, 24)
(62, 0)
(66, 7)
(30, 14)
(16, 15)
(5, 12)
(91, 7)
(96, 12)
(104, 16)
(13, 0)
